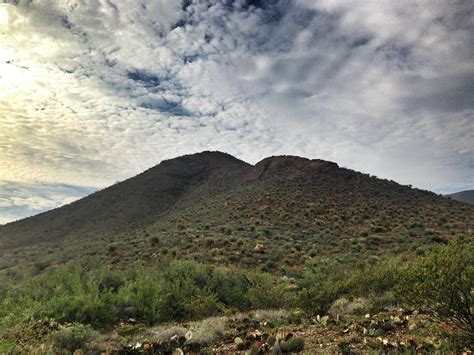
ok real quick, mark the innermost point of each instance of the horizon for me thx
(95, 92)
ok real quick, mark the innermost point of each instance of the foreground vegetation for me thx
(71, 306)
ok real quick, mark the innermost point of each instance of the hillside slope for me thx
(135, 201)
(463, 196)
(277, 215)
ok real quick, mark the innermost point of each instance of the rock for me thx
(188, 335)
(287, 166)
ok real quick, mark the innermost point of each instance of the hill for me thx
(463, 196)
(206, 253)
(212, 207)
(136, 201)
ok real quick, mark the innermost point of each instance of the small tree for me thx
(442, 284)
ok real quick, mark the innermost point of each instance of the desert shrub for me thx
(73, 337)
(73, 293)
(441, 283)
(90, 292)
(40, 266)
(203, 306)
(294, 345)
(266, 292)
(319, 298)
(209, 330)
(146, 297)
(438, 239)
(231, 287)
(180, 290)
(375, 280)
(209, 241)
(129, 329)
(321, 285)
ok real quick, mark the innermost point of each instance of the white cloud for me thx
(96, 91)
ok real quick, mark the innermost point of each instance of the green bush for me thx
(146, 296)
(80, 292)
(441, 283)
(375, 280)
(294, 345)
(90, 292)
(203, 306)
(73, 337)
(267, 293)
(318, 299)
(320, 287)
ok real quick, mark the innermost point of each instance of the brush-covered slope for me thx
(277, 215)
(136, 201)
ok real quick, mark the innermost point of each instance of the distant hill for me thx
(463, 196)
(211, 207)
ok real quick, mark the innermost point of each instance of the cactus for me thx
(294, 345)
(271, 340)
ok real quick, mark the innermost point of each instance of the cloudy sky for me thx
(95, 91)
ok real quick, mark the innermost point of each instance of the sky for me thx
(95, 91)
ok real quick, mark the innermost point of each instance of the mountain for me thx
(463, 196)
(212, 207)
(138, 200)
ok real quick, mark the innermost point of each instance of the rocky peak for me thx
(289, 166)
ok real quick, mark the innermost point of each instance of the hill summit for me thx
(289, 166)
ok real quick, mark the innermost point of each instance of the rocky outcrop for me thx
(288, 166)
